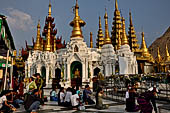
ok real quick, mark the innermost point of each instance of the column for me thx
(83, 72)
(68, 75)
(47, 74)
(29, 74)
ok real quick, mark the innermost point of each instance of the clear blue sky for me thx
(150, 15)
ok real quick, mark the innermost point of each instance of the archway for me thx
(96, 71)
(57, 78)
(58, 74)
(43, 72)
(76, 73)
(95, 78)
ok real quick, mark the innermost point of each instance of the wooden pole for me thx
(6, 66)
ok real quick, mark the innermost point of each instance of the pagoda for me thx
(116, 28)
(100, 38)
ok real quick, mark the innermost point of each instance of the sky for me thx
(150, 16)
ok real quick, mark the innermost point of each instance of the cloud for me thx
(19, 20)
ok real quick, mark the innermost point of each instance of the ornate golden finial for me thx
(48, 45)
(107, 39)
(91, 40)
(124, 36)
(37, 45)
(54, 43)
(167, 57)
(49, 10)
(116, 5)
(77, 23)
(100, 39)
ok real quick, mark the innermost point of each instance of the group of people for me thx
(77, 98)
(74, 97)
(10, 100)
(144, 102)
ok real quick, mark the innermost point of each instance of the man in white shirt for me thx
(68, 97)
(75, 100)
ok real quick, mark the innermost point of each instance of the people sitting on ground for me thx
(61, 97)
(147, 102)
(16, 99)
(99, 100)
(5, 107)
(131, 95)
(53, 95)
(87, 95)
(68, 95)
(75, 101)
(32, 102)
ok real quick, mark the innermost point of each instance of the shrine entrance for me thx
(76, 73)
(43, 73)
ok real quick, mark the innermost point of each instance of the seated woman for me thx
(53, 95)
(61, 97)
(87, 95)
(99, 100)
(5, 107)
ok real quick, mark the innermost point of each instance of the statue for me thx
(77, 73)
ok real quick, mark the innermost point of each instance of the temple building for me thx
(75, 63)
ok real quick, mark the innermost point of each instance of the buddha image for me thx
(77, 73)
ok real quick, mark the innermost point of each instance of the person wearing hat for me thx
(147, 101)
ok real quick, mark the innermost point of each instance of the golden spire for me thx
(100, 39)
(37, 45)
(48, 45)
(91, 40)
(116, 28)
(132, 36)
(167, 57)
(116, 5)
(77, 23)
(119, 41)
(158, 56)
(49, 9)
(54, 43)
(124, 36)
(107, 39)
(130, 18)
(144, 48)
(42, 44)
